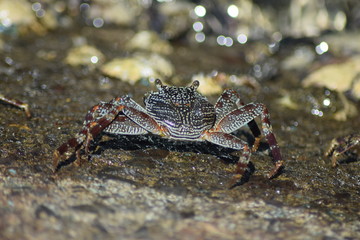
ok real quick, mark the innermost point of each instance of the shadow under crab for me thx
(179, 113)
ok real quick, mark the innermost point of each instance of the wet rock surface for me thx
(144, 187)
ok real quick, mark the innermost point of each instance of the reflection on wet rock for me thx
(343, 43)
(139, 66)
(215, 82)
(149, 41)
(84, 55)
(120, 12)
(16, 16)
(340, 76)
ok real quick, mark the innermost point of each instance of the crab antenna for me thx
(158, 83)
(195, 84)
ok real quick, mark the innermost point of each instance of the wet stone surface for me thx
(144, 187)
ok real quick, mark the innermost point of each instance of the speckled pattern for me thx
(184, 112)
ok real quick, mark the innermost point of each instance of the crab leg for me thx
(239, 117)
(91, 128)
(124, 125)
(230, 141)
(17, 103)
(98, 119)
(226, 102)
(340, 145)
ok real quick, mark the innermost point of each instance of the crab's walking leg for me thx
(123, 125)
(230, 141)
(226, 103)
(340, 145)
(99, 118)
(335, 149)
(246, 114)
(92, 126)
(17, 103)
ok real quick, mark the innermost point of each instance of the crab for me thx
(16, 103)
(341, 145)
(178, 113)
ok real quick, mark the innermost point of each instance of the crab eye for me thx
(195, 84)
(158, 83)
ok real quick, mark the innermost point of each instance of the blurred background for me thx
(222, 43)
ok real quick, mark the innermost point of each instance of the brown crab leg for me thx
(230, 141)
(257, 134)
(254, 128)
(17, 103)
(244, 115)
(340, 145)
(225, 104)
(94, 125)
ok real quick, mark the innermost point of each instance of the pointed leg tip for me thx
(271, 175)
(28, 114)
(56, 157)
(27, 110)
(277, 169)
(334, 163)
(235, 181)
